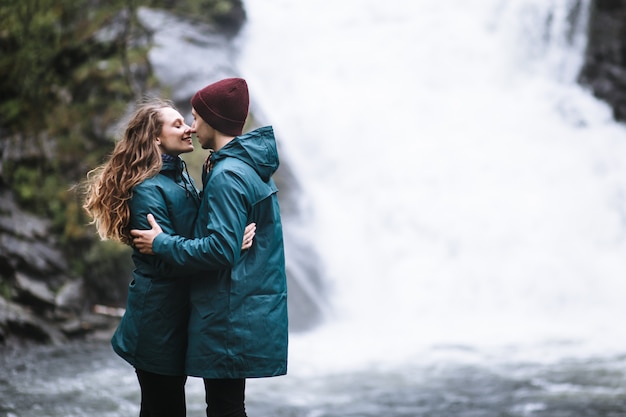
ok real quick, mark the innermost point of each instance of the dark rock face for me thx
(231, 21)
(605, 61)
(40, 300)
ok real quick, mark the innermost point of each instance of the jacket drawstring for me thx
(186, 183)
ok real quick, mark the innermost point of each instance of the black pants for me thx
(225, 397)
(161, 395)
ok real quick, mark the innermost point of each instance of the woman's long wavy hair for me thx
(135, 158)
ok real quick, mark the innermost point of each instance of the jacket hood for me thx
(256, 148)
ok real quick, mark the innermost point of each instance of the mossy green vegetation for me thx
(68, 71)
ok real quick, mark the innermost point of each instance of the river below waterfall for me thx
(87, 379)
(467, 200)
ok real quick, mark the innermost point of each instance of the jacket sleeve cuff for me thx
(160, 243)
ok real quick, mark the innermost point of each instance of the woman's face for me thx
(175, 137)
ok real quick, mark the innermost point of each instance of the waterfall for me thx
(463, 189)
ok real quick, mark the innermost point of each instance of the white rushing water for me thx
(464, 190)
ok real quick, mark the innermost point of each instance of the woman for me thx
(145, 174)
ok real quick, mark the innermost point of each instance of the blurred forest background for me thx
(69, 69)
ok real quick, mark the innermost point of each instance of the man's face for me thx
(204, 132)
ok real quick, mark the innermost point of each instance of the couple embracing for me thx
(208, 296)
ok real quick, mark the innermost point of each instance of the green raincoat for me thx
(238, 318)
(152, 334)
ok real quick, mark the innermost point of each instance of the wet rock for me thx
(25, 240)
(71, 296)
(87, 323)
(32, 267)
(33, 292)
(604, 71)
(19, 322)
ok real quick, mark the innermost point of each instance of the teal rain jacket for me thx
(152, 334)
(238, 318)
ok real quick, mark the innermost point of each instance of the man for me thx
(238, 319)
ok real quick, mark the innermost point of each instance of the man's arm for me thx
(221, 246)
(142, 239)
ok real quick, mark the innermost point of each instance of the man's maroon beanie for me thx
(224, 105)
